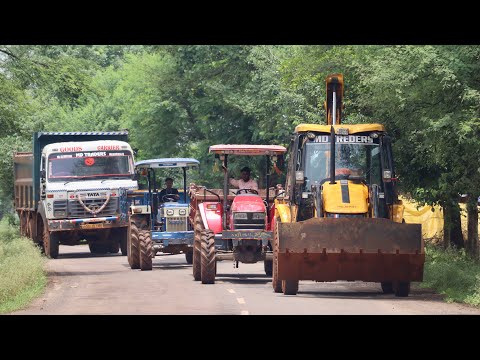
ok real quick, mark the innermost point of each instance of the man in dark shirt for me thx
(169, 193)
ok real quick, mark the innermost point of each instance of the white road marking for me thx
(231, 291)
(244, 312)
(241, 300)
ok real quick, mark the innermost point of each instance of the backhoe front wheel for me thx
(207, 253)
(387, 287)
(290, 287)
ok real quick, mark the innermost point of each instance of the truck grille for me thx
(250, 223)
(176, 224)
(60, 205)
(76, 210)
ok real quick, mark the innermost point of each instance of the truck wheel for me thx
(50, 243)
(123, 240)
(402, 289)
(133, 247)
(189, 256)
(290, 287)
(207, 252)
(114, 247)
(387, 287)
(146, 250)
(100, 249)
(267, 266)
(197, 257)
(276, 283)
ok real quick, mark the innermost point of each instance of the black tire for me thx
(51, 243)
(146, 250)
(101, 249)
(387, 287)
(402, 289)
(114, 247)
(123, 240)
(276, 283)
(189, 256)
(197, 257)
(290, 287)
(207, 252)
(268, 267)
(133, 247)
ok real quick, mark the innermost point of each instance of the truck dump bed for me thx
(23, 178)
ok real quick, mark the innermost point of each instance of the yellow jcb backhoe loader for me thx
(340, 218)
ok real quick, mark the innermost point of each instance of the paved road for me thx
(82, 283)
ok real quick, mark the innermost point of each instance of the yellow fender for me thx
(283, 210)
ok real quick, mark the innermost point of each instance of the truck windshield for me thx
(358, 160)
(93, 165)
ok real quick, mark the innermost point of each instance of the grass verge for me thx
(452, 273)
(22, 274)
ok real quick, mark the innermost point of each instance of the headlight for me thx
(58, 213)
(182, 212)
(240, 216)
(258, 216)
(170, 212)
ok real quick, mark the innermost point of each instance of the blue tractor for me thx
(159, 222)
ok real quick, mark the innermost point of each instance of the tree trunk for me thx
(472, 217)
(452, 227)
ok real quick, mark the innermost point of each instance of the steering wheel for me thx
(253, 191)
(169, 198)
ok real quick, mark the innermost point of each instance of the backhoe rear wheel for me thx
(290, 287)
(133, 248)
(207, 252)
(146, 250)
(402, 289)
(197, 257)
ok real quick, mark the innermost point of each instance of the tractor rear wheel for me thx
(267, 266)
(290, 287)
(207, 252)
(387, 287)
(197, 257)
(402, 289)
(133, 247)
(146, 250)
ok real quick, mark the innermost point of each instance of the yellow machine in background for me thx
(340, 218)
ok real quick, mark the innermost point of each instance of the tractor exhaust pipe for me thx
(332, 155)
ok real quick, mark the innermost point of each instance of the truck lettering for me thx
(108, 147)
(93, 194)
(71, 149)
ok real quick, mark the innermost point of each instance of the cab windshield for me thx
(90, 165)
(359, 160)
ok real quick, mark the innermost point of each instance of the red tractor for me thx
(233, 224)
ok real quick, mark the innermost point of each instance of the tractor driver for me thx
(169, 193)
(245, 182)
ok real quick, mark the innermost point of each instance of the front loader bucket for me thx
(327, 249)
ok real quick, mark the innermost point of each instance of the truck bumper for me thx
(86, 224)
(173, 238)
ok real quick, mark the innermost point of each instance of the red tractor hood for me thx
(248, 203)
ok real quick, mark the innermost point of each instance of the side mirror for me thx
(299, 177)
(387, 175)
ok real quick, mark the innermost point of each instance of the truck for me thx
(73, 186)
(233, 225)
(159, 223)
(341, 218)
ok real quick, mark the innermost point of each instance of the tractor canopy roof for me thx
(167, 163)
(249, 150)
(352, 128)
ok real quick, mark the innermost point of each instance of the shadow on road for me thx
(244, 278)
(83, 255)
(82, 273)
